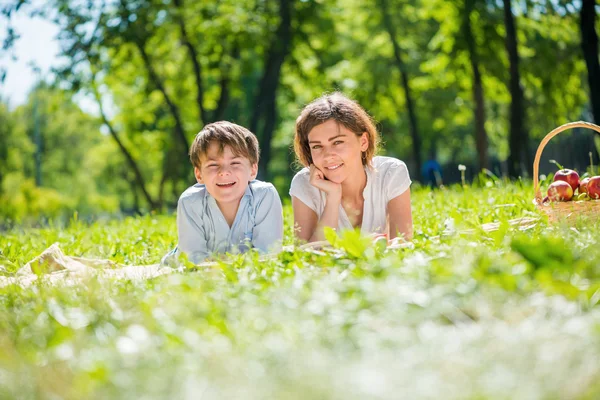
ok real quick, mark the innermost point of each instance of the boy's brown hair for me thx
(242, 142)
(344, 111)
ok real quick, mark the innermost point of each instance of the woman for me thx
(344, 185)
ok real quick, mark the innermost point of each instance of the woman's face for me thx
(336, 150)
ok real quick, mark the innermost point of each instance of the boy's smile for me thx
(226, 177)
(225, 185)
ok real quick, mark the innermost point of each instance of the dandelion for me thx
(462, 170)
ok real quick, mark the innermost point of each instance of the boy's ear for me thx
(254, 171)
(364, 141)
(198, 175)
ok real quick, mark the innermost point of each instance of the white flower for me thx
(461, 167)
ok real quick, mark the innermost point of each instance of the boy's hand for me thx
(317, 179)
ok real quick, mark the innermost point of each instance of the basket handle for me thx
(538, 154)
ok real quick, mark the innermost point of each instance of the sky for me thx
(36, 45)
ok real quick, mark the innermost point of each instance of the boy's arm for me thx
(192, 238)
(267, 234)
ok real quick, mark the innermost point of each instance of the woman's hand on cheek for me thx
(317, 179)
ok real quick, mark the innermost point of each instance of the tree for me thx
(6, 130)
(410, 104)
(589, 46)
(265, 104)
(518, 139)
(478, 99)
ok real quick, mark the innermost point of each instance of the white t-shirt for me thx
(387, 179)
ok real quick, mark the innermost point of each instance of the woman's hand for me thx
(332, 190)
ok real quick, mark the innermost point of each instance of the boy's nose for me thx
(224, 170)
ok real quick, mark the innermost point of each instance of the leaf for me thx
(556, 163)
(331, 236)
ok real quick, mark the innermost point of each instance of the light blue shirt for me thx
(203, 230)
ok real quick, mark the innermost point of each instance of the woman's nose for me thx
(328, 152)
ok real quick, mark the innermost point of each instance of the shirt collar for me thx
(369, 173)
(249, 191)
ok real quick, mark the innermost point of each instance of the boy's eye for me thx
(211, 165)
(236, 163)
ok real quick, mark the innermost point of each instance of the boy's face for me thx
(225, 175)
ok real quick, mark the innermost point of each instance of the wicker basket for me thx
(568, 211)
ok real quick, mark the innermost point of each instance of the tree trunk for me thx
(139, 179)
(518, 137)
(224, 83)
(195, 62)
(266, 100)
(414, 131)
(179, 131)
(481, 139)
(139, 39)
(37, 136)
(589, 45)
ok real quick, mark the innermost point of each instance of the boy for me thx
(227, 210)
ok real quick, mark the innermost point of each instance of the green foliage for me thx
(161, 70)
(317, 323)
(68, 167)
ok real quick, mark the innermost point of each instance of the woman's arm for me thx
(400, 216)
(307, 225)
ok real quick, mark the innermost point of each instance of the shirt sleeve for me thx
(304, 191)
(267, 234)
(396, 179)
(192, 238)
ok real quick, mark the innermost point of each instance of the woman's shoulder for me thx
(382, 164)
(302, 189)
(301, 179)
(391, 176)
(303, 173)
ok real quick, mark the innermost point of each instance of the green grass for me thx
(498, 315)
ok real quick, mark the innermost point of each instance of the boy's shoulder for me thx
(193, 194)
(261, 188)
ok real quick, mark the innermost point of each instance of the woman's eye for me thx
(316, 147)
(338, 142)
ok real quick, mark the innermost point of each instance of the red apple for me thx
(569, 176)
(593, 187)
(583, 185)
(560, 191)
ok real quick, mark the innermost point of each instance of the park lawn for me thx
(483, 315)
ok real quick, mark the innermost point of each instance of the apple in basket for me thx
(583, 185)
(560, 191)
(569, 176)
(593, 187)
